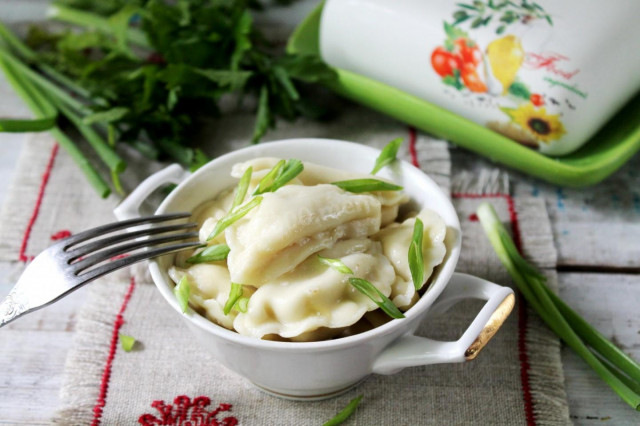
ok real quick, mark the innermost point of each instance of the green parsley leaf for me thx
(387, 155)
(366, 185)
(243, 186)
(235, 293)
(127, 342)
(336, 264)
(279, 175)
(369, 290)
(416, 260)
(212, 253)
(345, 413)
(234, 215)
(182, 292)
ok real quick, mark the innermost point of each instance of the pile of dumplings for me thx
(274, 253)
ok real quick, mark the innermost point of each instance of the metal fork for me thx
(69, 264)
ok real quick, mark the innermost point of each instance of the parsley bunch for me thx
(143, 72)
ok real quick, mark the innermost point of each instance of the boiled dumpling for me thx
(210, 286)
(314, 174)
(293, 223)
(395, 241)
(314, 297)
(208, 214)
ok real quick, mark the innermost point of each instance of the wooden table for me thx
(597, 233)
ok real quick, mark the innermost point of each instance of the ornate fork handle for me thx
(13, 305)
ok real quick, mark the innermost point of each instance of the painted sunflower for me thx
(542, 126)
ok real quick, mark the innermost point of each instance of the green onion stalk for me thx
(614, 367)
(48, 101)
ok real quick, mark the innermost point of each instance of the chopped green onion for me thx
(234, 215)
(345, 413)
(269, 178)
(567, 324)
(213, 253)
(127, 342)
(182, 291)
(369, 290)
(242, 304)
(234, 294)
(387, 155)
(241, 190)
(336, 264)
(279, 175)
(416, 260)
(366, 185)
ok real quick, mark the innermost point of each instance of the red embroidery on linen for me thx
(106, 374)
(22, 256)
(522, 307)
(413, 136)
(513, 215)
(61, 234)
(524, 361)
(185, 411)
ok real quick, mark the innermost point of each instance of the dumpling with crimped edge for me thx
(314, 297)
(208, 214)
(314, 174)
(293, 223)
(210, 286)
(396, 240)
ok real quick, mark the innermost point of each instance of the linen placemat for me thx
(517, 379)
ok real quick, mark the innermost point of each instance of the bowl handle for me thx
(129, 208)
(410, 350)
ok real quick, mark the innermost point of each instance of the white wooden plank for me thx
(598, 226)
(610, 303)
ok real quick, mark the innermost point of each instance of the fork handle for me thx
(129, 208)
(12, 306)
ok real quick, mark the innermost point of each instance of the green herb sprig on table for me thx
(144, 72)
(613, 366)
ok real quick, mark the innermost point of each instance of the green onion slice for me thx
(127, 342)
(241, 190)
(242, 304)
(234, 294)
(345, 413)
(387, 155)
(416, 260)
(212, 253)
(366, 185)
(234, 215)
(182, 291)
(369, 290)
(279, 175)
(336, 264)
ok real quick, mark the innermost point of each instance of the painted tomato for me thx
(444, 62)
(471, 79)
(468, 51)
(536, 99)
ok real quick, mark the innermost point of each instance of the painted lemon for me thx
(505, 57)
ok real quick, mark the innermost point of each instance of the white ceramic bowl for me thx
(326, 368)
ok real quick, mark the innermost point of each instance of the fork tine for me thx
(103, 255)
(130, 260)
(104, 229)
(103, 243)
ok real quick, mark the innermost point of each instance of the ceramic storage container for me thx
(545, 74)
